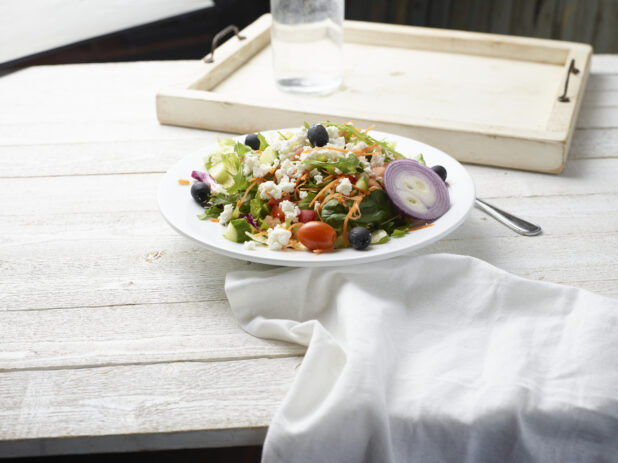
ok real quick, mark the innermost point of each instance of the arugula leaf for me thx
(348, 165)
(420, 159)
(351, 130)
(306, 124)
(304, 203)
(240, 184)
(399, 232)
(263, 142)
(210, 212)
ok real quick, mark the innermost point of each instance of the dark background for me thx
(189, 36)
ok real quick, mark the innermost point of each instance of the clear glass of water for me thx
(307, 44)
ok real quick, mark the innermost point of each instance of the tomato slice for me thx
(317, 235)
(277, 213)
(306, 215)
(274, 202)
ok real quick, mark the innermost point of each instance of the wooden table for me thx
(115, 333)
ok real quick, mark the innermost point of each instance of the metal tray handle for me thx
(210, 57)
(572, 70)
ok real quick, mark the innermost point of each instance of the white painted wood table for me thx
(115, 333)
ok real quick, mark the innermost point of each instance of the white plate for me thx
(180, 211)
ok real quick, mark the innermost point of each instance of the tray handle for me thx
(572, 70)
(210, 57)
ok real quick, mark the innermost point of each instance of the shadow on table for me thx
(220, 455)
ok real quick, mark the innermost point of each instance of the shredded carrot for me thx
(251, 185)
(320, 251)
(427, 225)
(182, 181)
(214, 220)
(371, 127)
(332, 148)
(295, 244)
(294, 226)
(354, 213)
(262, 233)
(323, 191)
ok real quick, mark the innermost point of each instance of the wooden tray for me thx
(483, 98)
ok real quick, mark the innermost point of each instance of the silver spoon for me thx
(521, 226)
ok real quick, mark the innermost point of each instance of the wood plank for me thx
(135, 335)
(603, 82)
(548, 259)
(142, 403)
(70, 272)
(594, 143)
(604, 64)
(600, 99)
(59, 273)
(598, 118)
(99, 158)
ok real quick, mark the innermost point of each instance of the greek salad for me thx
(319, 188)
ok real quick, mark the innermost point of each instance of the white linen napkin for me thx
(436, 358)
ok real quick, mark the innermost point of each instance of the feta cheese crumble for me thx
(226, 215)
(290, 209)
(269, 190)
(344, 187)
(278, 237)
(250, 245)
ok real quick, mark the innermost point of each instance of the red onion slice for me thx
(416, 190)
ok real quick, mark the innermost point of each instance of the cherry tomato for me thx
(306, 215)
(277, 213)
(317, 235)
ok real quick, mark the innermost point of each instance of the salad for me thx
(320, 188)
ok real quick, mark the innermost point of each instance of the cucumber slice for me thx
(237, 230)
(268, 156)
(362, 183)
(219, 173)
(379, 237)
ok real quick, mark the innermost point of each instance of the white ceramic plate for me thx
(180, 211)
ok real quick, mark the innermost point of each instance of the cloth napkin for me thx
(436, 358)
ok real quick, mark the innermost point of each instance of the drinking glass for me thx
(307, 44)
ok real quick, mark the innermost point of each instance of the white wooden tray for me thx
(482, 98)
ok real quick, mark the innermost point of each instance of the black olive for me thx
(252, 141)
(317, 135)
(441, 171)
(359, 237)
(200, 192)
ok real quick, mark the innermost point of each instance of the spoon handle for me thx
(521, 226)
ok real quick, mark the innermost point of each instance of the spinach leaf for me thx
(333, 213)
(377, 209)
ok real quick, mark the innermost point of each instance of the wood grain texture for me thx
(141, 399)
(115, 330)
